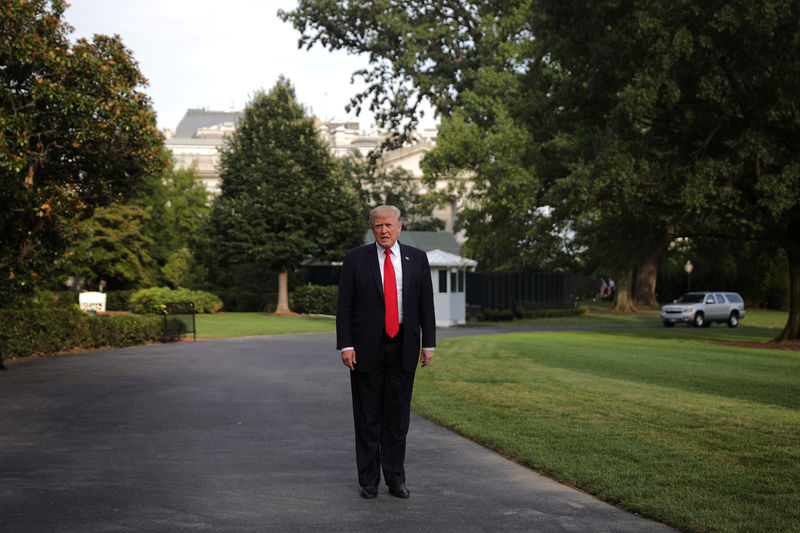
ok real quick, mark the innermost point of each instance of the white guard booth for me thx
(448, 274)
(92, 301)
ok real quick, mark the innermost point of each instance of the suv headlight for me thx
(687, 309)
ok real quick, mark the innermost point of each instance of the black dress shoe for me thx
(399, 490)
(369, 492)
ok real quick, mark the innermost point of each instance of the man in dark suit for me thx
(385, 305)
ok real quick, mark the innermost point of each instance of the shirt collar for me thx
(395, 249)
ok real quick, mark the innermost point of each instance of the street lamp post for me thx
(688, 267)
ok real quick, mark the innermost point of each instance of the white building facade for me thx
(201, 133)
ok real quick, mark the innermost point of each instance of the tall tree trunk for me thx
(283, 293)
(645, 290)
(792, 330)
(622, 296)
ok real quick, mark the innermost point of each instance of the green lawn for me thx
(663, 422)
(597, 318)
(246, 324)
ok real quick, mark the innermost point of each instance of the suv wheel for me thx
(699, 320)
(733, 321)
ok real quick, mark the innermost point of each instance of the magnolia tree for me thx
(76, 133)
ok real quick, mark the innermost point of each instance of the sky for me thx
(216, 54)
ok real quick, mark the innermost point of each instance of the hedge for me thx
(497, 315)
(314, 299)
(39, 331)
(148, 301)
(550, 313)
(247, 302)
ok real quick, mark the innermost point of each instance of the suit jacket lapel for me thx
(406, 266)
(372, 261)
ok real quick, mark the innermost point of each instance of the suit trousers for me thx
(381, 413)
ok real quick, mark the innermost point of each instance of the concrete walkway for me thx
(248, 434)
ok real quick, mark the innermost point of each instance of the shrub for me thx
(65, 299)
(31, 331)
(174, 327)
(314, 299)
(491, 314)
(548, 313)
(148, 301)
(495, 315)
(182, 269)
(118, 300)
(247, 301)
(44, 299)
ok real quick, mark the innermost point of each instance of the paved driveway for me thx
(248, 434)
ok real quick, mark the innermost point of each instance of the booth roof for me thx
(440, 258)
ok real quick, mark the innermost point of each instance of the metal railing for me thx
(179, 320)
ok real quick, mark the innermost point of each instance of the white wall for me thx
(451, 307)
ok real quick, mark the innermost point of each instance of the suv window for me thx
(720, 299)
(733, 298)
(692, 298)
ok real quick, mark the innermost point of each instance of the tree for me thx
(419, 49)
(709, 99)
(467, 59)
(182, 269)
(111, 246)
(75, 133)
(503, 212)
(685, 108)
(179, 205)
(162, 223)
(281, 202)
(378, 186)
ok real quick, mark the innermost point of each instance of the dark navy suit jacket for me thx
(360, 308)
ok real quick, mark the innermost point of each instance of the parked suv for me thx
(702, 308)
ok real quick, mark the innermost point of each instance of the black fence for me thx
(509, 290)
(496, 290)
(322, 274)
(179, 320)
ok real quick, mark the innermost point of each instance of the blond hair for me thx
(384, 211)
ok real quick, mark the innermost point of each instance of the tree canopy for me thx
(377, 185)
(131, 243)
(178, 204)
(700, 119)
(281, 202)
(111, 246)
(76, 133)
(418, 49)
(641, 121)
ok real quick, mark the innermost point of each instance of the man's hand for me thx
(427, 355)
(349, 358)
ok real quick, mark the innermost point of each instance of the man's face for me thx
(386, 230)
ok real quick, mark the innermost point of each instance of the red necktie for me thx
(391, 321)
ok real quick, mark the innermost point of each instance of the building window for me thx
(460, 281)
(442, 281)
(453, 282)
